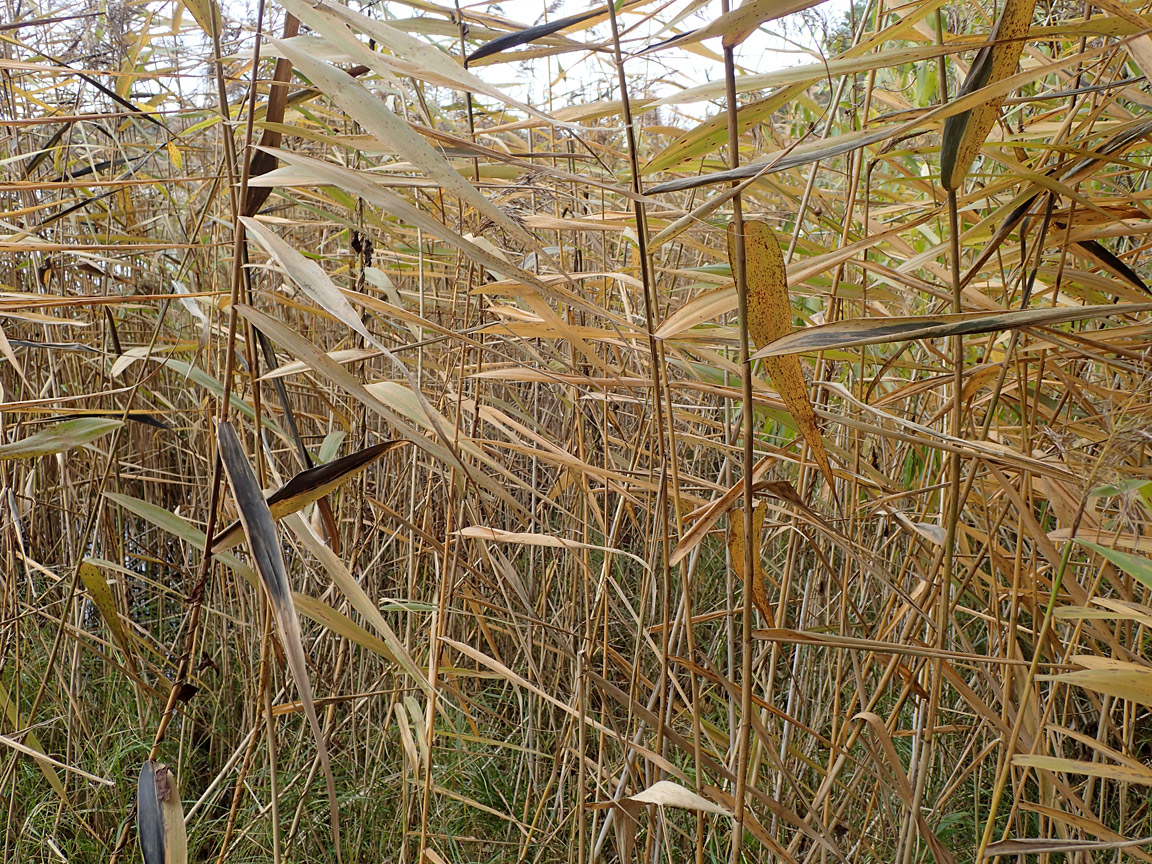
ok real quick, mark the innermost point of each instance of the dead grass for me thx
(532, 615)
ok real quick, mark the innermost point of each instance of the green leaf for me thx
(60, 437)
(1135, 566)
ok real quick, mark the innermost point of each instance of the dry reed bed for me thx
(936, 665)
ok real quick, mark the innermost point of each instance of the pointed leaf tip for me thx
(309, 486)
(964, 134)
(269, 560)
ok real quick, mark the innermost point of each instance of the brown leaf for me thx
(263, 161)
(736, 550)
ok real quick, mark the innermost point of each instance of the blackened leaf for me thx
(309, 486)
(530, 34)
(1104, 257)
(149, 818)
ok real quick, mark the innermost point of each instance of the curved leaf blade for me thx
(964, 134)
(265, 547)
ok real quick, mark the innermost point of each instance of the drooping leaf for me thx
(321, 363)
(662, 793)
(495, 535)
(964, 134)
(377, 119)
(1101, 255)
(358, 183)
(59, 437)
(711, 513)
(198, 376)
(665, 793)
(738, 24)
(308, 275)
(341, 624)
(33, 743)
(359, 599)
(736, 550)
(101, 594)
(265, 547)
(309, 486)
(416, 57)
(178, 527)
(770, 318)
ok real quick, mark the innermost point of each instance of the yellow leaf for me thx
(33, 742)
(769, 319)
(1125, 773)
(964, 134)
(205, 12)
(101, 595)
(1131, 681)
(309, 486)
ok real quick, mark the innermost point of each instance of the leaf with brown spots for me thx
(769, 319)
(964, 134)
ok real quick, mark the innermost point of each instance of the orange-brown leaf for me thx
(736, 550)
